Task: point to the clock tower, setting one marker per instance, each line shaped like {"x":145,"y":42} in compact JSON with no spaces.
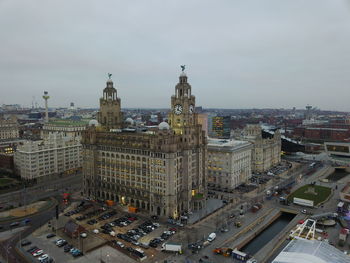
{"x":110,"y":115}
{"x":182,"y":113}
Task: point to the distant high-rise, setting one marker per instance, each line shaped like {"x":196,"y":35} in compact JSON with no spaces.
{"x":203,"y":120}
{"x":308,"y":113}
{"x":221,"y":127}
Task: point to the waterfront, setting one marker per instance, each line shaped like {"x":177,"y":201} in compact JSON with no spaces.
{"x":268,"y":234}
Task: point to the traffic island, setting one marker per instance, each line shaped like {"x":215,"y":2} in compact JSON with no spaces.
{"x":316,"y":193}
{"x":27,"y":210}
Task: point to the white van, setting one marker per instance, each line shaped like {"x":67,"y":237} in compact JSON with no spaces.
{"x":211,"y":237}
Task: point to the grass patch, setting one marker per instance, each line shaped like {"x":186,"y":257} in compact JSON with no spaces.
{"x":5,"y":181}
{"x":316,"y":193}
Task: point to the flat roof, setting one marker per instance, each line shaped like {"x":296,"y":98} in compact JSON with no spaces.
{"x":68,"y":122}
{"x":310,"y":251}
{"x":227,"y":143}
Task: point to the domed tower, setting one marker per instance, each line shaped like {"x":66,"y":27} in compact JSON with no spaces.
{"x":110,"y":115}
{"x":182,"y":106}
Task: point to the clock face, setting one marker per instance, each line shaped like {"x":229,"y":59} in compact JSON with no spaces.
{"x":191,"y":109}
{"x":177,"y":109}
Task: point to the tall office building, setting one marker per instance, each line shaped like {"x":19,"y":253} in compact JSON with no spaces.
{"x":221,"y":127}
{"x":203,"y":120}
{"x":41,"y":160}
{"x":161,"y":171}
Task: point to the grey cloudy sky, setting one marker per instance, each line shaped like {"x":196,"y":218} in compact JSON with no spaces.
{"x":239,"y":54}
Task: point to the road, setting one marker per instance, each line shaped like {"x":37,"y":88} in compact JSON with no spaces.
{"x":212,"y":225}
{"x":42,"y":190}
{"x":7,"y":247}
{"x":54,"y":188}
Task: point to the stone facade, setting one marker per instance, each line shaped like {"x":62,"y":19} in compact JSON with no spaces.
{"x":229,"y":163}
{"x":161,"y":171}
{"x":110,"y":115}
{"x":9,"y":129}
{"x":266,"y":152}
{"x":66,"y":128}
{"x":56,"y":155}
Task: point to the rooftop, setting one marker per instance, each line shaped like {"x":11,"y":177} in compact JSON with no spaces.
{"x":68,"y":122}
{"x":346,"y":189}
{"x":310,"y":251}
{"x":227,"y":143}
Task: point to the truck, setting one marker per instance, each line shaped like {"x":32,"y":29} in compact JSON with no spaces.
{"x":211,"y":237}
{"x":223,"y":251}
{"x":172,"y":247}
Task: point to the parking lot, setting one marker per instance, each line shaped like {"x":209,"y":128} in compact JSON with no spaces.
{"x":47,"y":246}
{"x":136,"y":236}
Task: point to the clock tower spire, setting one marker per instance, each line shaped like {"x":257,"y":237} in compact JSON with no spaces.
{"x":182,"y":105}
{"x":110,"y":115}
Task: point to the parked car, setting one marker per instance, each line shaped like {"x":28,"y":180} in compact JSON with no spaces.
{"x":43,"y":257}
{"x":50,"y":235}
{"x":37,"y":252}
{"x":25,"y":242}
{"x":32,"y":249}
{"x":67,"y":248}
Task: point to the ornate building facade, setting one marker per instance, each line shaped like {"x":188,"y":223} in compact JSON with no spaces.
{"x":9,"y":129}
{"x":161,"y":171}
{"x":65,"y":127}
{"x":229,"y":163}
{"x":266,"y":151}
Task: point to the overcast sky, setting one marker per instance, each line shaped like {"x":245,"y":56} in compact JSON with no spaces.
{"x":238,"y":54}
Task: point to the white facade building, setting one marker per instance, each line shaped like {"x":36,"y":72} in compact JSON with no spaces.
{"x":229,"y":163}
{"x":53,"y":156}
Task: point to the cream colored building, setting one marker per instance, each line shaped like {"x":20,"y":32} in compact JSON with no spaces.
{"x":67,"y":128}
{"x":266,"y":151}
{"x":229,"y":163}
{"x":56,"y":155}
{"x":203,"y":120}
{"x":160,"y":171}
{"x":9,"y":129}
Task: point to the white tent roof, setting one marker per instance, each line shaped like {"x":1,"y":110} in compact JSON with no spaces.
{"x":310,"y":251}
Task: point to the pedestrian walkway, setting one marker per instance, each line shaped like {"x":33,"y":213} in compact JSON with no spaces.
{"x":211,"y":206}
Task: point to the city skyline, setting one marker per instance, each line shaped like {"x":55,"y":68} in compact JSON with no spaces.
{"x":246,"y":55}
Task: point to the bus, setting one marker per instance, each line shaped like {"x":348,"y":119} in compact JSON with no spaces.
{"x":243,"y":257}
